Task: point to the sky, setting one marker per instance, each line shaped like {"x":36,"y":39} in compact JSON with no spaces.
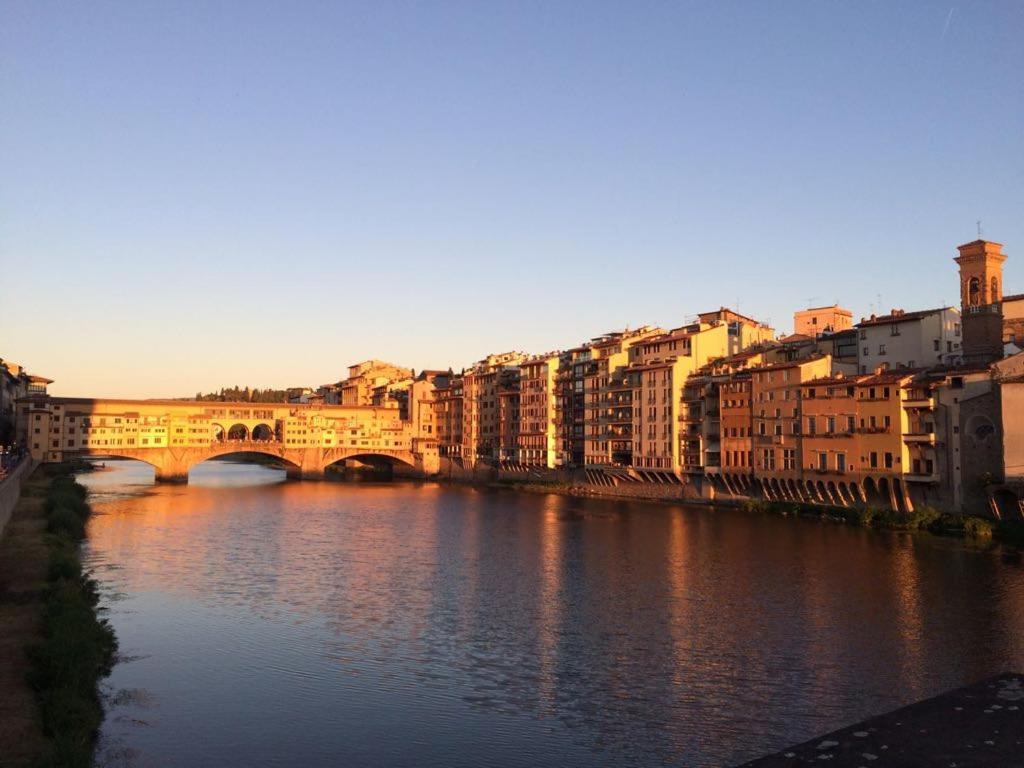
{"x":205,"y":194}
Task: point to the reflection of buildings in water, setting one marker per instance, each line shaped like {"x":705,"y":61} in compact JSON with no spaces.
{"x":608,"y":618}
{"x":904,"y":580}
{"x":550,"y":602}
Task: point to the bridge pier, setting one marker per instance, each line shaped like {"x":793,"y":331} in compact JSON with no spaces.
{"x":172,"y":476}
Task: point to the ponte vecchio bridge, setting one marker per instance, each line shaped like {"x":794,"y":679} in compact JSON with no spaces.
{"x":175,"y":435}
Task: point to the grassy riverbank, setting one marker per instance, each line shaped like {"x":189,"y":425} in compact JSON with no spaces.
{"x":66,"y":649}
{"x":77,"y":647}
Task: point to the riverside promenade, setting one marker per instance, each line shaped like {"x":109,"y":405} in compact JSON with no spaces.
{"x":10,"y":488}
{"x":978,"y":725}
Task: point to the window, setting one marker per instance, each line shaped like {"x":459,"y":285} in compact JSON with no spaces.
{"x":881,"y":349}
{"x":936,"y":344}
{"x":840,"y":462}
{"x":873,"y":460}
{"x":888,"y":461}
{"x":823,"y":461}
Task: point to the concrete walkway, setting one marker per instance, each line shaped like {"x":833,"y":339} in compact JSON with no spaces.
{"x":980,"y":725}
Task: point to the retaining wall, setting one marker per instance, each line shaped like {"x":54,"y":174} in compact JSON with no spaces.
{"x":10,"y":490}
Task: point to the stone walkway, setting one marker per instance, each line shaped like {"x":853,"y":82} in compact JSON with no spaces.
{"x":980,"y":725}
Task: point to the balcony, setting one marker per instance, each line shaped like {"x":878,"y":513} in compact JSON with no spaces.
{"x":926,"y":438}
{"x":921,"y":477}
{"x":915,"y":401}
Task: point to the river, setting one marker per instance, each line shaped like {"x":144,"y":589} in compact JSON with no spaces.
{"x":273,"y":623}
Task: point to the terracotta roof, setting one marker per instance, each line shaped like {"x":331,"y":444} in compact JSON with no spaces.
{"x":826,"y":380}
{"x":889,"y":377}
{"x":1013,"y":297}
{"x":905,"y":317}
{"x":788,"y":364}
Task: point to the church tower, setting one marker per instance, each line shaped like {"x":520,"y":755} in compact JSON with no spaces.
{"x":981,"y":293}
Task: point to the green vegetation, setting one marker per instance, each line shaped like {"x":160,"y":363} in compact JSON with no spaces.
{"x":923,"y":518}
{"x":244,"y":395}
{"x":77,"y":648}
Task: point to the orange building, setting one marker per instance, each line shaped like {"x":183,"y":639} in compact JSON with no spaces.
{"x":776,"y":405}
{"x":815,"y":321}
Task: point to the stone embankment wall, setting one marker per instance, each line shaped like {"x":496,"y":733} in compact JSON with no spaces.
{"x":577,"y":482}
{"x":10,"y":490}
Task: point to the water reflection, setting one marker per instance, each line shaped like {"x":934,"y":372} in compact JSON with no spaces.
{"x":402,"y":624}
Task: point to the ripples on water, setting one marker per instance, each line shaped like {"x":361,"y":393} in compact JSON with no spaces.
{"x":269,"y":623}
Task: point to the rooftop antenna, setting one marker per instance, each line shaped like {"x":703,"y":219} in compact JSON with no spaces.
{"x":810,"y":301}
{"x":979,"y":229}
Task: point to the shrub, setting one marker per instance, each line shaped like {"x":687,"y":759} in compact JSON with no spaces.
{"x":923,"y":518}
{"x":978,"y":527}
{"x":66,"y":522}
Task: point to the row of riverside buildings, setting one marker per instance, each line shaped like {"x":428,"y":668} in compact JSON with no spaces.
{"x":897,"y":411}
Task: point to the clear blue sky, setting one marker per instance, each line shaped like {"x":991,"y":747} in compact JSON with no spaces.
{"x":203,"y":194}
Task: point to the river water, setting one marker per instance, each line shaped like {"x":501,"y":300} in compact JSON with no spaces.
{"x":272,"y":623}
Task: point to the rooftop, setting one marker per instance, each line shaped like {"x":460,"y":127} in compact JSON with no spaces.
{"x":899,"y":316}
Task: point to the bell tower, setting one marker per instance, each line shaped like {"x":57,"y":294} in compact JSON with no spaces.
{"x":981,"y":293}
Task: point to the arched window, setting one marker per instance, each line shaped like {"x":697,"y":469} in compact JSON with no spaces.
{"x":974,"y":292}
{"x":995,"y":290}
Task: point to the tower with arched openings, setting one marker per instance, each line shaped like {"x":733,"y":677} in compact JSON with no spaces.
{"x":981,"y":294}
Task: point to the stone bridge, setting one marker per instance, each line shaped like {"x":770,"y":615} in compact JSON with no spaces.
{"x":310,"y":463}
{"x":174,"y":435}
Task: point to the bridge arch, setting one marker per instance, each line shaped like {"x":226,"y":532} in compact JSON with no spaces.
{"x":238,"y":432}
{"x":124,"y":456}
{"x":263,"y":433}
{"x":219,"y":433}
{"x":371,"y":457}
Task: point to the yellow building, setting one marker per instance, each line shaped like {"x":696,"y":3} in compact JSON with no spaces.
{"x":364,"y":380}
{"x":659,"y":368}
{"x":538,"y":397}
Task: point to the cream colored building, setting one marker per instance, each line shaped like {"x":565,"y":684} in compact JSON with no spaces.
{"x":481,"y":417}
{"x":909,"y":339}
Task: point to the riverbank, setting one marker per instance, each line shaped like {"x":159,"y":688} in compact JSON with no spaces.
{"x":54,"y":649}
{"x":924,"y":519}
